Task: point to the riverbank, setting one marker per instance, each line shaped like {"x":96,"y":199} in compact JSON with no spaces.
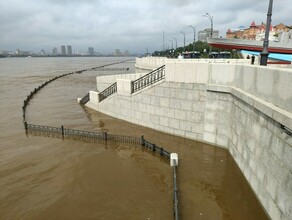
{"x":229,"y":103}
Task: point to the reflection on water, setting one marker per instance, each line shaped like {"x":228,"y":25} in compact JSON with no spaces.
{"x":51,"y":178}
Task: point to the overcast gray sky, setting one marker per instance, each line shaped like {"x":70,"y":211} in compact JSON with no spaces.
{"x":132,"y":25}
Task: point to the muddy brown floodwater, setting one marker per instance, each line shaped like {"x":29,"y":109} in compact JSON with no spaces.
{"x":50,"y":178}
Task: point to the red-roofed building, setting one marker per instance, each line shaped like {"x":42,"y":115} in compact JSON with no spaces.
{"x":254,"y":32}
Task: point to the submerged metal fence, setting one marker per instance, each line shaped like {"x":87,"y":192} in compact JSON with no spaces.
{"x":68,"y":133}
{"x":113,"y":69}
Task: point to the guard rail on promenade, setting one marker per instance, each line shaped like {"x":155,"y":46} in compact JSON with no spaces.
{"x":148,"y":79}
{"x":85,"y":99}
{"x":107,"y":92}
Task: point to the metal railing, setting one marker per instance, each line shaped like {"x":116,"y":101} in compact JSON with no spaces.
{"x":148,"y":79}
{"x":155,"y":149}
{"x":107,"y":92}
{"x":85,"y":99}
{"x":68,"y":133}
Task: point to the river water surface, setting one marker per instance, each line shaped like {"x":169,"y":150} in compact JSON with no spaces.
{"x":51,"y":178}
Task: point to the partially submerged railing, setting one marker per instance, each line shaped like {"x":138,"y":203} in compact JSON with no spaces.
{"x":175,"y":195}
{"x":155,"y":148}
{"x":148,"y":79}
{"x":113,"y":69}
{"x":85,"y":99}
{"x":68,"y":133}
{"x":108,"y":92}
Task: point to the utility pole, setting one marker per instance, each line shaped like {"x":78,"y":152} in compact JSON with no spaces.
{"x":194,"y":28}
{"x":211,"y":20}
{"x":184,"y":40}
{"x":163,"y":45}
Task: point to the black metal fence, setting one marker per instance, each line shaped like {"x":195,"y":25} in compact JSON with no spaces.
{"x":113,"y":69}
{"x":107,"y":92}
{"x":148,"y":79}
{"x":67,"y":133}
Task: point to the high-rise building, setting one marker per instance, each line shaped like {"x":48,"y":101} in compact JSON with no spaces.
{"x":55,"y":51}
{"x":118,"y":53}
{"x":204,"y":34}
{"x":63,"y":50}
{"x":69,"y":50}
{"x":90,"y":51}
{"x":126,"y":53}
{"x":43,"y":52}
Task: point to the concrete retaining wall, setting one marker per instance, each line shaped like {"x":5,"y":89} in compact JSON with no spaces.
{"x":152,"y":63}
{"x":239,"y":107}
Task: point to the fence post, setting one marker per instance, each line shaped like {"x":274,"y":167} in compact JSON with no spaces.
{"x":25,"y":125}
{"x":153,"y":147}
{"x":142,"y":140}
{"x":161,"y":151}
{"x":62,"y":128}
{"x":105,"y":136}
{"x":132,"y":87}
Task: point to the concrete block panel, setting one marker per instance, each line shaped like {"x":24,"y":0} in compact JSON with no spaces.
{"x":124,"y":87}
{"x":202,"y":73}
{"x":222,"y":74}
{"x":209,"y":137}
{"x":174,"y":123}
{"x":93,"y":97}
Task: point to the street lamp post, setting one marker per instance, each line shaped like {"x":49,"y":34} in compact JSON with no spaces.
{"x":211,"y":20}
{"x":171,"y":44}
{"x":194,"y":28}
{"x":184,"y":40}
{"x":175,"y":42}
{"x":265,"y":53}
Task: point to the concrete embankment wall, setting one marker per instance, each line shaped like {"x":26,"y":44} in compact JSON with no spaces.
{"x":239,"y":107}
{"x":151,"y":63}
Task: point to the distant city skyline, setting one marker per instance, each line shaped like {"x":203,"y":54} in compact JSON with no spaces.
{"x":136,"y":26}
